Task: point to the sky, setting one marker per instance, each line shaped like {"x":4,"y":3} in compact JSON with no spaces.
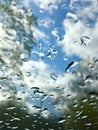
{"x":49,"y":32}
{"x":64,"y":28}
{"x":65,"y":35}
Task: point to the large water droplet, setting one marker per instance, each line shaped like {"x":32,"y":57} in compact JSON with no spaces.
{"x":71,"y":66}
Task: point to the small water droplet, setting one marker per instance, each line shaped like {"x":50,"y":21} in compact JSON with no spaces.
{"x":24,"y":57}
{"x":41,"y":54}
{"x":65,"y":58}
{"x":83,"y":117}
{"x":53,"y":76}
{"x":88,"y":124}
{"x":85,"y":40}
{"x":40,"y":46}
{"x":61,"y":120}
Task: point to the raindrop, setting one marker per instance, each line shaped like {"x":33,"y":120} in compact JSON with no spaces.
{"x":83,"y":117}
{"x":49,"y":55}
{"x":45,"y":113}
{"x":28,"y":74}
{"x":65,"y":58}
{"x":72,"y":17}
{"x":63,"y":6}
{"x":89,"y":77}
{"x":40,"y":46}
{"x":85,"y":100}
{"x":41,"y":11}
{"x":24,"y":57}
{"x":78,"y":113}
{"x":85,"y":40}
{"x":71,"y":65}
{"x":61,"y":120}
{"x":36,"y":88}
{"x":50,"y":4}
{"x":88,"y":124}
{"x":1,"y":122}
{"x":29,"y":12}
{"x":75,"y":42}
{"x":53,"y":76}
{"x":96,"y":61}
{"x":11,"y":108}
{"x":10,"y":98}
{"x":14,"y":128}
{"x":41,"y":54}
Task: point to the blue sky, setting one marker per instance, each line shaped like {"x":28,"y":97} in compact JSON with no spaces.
{"x":67,"y":31}
{"x":60,"y":24}
{"x":50,"y":22}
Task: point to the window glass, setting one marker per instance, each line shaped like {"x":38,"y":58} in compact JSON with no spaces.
{"x":48,"y":65}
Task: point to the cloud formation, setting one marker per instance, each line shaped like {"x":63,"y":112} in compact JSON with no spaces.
{"x":81,"y":29}
{"x":38,"y":34}
{"x":80,"y":23}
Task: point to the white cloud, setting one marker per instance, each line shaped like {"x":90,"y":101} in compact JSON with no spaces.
{"x":38,"y":34}
{"x":75,"y":31}
{"x":65,"y":86}
{"x":85,"y":11}
{"x":38,"y":74}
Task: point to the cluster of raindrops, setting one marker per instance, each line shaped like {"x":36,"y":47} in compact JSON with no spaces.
{"x":14,"y":113}
{"x":20,"y":105}
{"x":45,"y":50}
{"x":16,"y":35}
{"x":83,"y":113}
{"x":52,"y":53}
{"x":16,"y":41}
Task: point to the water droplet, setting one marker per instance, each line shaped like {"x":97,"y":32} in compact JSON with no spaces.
{"x":88,"y":124}
{"x":89,"y":77}
{"x":85,"y":40}
{"x":45,"y":113}
{"x":53,"y":76}
{"x":71,"y":65}
{"x":41,"y":54}
{"x":85,"y":100}
{"x":40,"y":46}
{"x":65,"y":58}
{"x":24,"y":57}
{"x":78,"y":113}
{"x":61,"y":120}
{"x":29,"y":12}
{"x":83,"y":117}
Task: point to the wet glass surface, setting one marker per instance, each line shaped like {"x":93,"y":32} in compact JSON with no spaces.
{"x":48,"y":65}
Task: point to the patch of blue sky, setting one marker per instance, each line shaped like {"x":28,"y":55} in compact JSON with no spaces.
{"x":49,"y":51}
{"x":50,"y":22}
{"x":55,"y":32}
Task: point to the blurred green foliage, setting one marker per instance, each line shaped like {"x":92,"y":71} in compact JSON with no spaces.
{"x":83,"y":114}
